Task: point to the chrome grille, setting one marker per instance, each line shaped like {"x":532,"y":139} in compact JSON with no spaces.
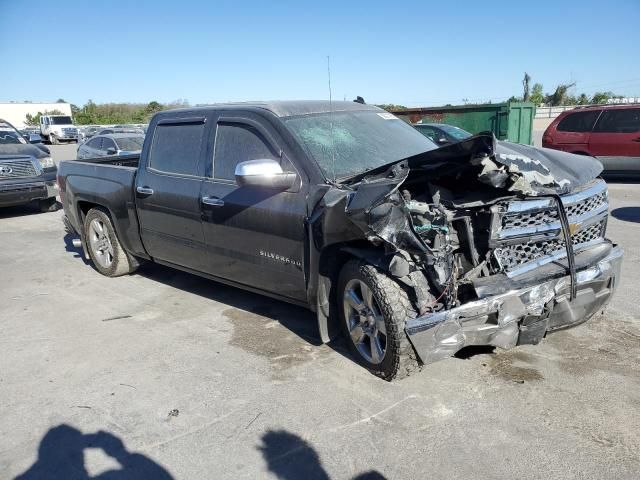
{"x":528,"y":232}
{"x":69,"y":132}
{"x":512,"y":256}
{"x":541,"y":217}
{"x":17,"y":169}
{"x":587,"y":205}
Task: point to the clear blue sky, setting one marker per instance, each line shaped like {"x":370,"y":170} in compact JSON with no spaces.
{"x":406,"y":52}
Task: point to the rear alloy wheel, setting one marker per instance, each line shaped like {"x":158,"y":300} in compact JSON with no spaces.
{"x":104,"y":248}
{"x":100,"y":244}
{"x":373,"y":309}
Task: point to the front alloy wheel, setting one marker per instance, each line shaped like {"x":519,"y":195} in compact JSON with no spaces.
{"x":373,"y":309}
{"x":365,"y":322}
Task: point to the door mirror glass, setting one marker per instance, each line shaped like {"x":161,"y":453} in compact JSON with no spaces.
{"x":111,"y":151}
{"x":264,"y":173}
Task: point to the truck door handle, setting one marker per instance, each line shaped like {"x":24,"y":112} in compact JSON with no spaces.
{"x":212,"y":201}
{"x":146,"y":191}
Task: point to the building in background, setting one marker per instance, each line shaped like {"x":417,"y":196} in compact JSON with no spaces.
{"x":16,"y":112}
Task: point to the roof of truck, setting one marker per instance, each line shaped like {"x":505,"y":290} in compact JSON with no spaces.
{"x":288,"y":108}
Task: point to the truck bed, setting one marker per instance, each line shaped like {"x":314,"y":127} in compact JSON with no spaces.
{"x":107,"y":182}
{"x":120,"y":161}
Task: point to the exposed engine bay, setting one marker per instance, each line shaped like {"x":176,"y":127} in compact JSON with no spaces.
{"x":483,"y":218}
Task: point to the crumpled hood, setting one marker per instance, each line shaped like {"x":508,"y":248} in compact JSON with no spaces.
{"x":511,"y":166}
{"x":22,"y":150}
{"x":377,"y":207}
{"x":543,"y":170}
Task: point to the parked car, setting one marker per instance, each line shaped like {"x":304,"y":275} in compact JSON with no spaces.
{"x":27,"y":173}
{"x":110,"y":130}
{"x":58,"y":128}
{"x":31,"y":132}
{"x":89,"y":131}
{"x":110,"y":144}
{"x":609,"y":133}
{"x":441,"y":133}
{"x":412,"y":251}
{"x":33,"y":137}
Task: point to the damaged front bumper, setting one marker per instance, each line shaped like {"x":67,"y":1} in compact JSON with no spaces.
{"x":517,"y":316}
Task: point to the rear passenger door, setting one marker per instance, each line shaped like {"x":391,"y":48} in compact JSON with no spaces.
{"x":616,"y":139}
{"x":573,"y":131}
{"x":254,"y":236}
{"x":168,"y":191}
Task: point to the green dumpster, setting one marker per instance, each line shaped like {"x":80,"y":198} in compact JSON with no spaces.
{"x":508,"y":121}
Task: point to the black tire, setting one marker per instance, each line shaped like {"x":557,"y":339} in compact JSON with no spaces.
{"x":112,"y":262}
{"x":48,"y":205}
{"x":392,"y":302}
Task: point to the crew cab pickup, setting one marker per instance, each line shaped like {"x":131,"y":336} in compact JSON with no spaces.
{"x":410,"y":250}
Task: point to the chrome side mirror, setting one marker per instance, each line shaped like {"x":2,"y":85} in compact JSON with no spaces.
{"x":264,"y":173}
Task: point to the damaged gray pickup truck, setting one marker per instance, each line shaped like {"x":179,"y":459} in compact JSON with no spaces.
{"x":410,"y":250}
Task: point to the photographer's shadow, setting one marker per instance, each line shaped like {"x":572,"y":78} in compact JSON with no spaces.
{"x":290,"y":457}
{"x":61,"y":456}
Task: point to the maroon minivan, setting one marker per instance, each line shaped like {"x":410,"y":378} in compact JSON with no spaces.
{"x":609,"y":133}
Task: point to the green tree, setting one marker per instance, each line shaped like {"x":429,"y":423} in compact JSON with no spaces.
{"x":537,"y":96}
{"x":525,"y":87}
{"x":559,"y":97}
{"x":391,"y":107}
{"x":153,"y":107}
{"x":583,"y":99}
{"x":602,"y":97}
{"x":34,"y":120}
{"x":114,"y":113}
